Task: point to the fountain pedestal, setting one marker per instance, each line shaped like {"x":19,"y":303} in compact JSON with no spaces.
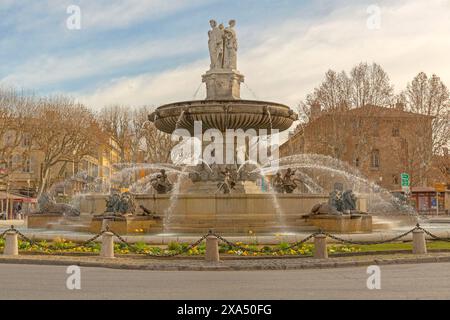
{"x":359,"y":223}
{"x":41,"y":221}
{"x":223,"y":84}
{"x":128,"y":225}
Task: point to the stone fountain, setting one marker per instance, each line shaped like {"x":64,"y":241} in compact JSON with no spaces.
{"x":223,"y":110}
{"x":220,"y":197}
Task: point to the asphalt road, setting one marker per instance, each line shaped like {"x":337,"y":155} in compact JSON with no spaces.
{"x":421,"y":281}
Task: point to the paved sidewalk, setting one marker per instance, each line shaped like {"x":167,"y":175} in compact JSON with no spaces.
{"x":177,"y":264}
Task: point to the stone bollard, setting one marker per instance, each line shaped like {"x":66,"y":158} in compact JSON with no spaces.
{"x":212,"y":249}
{"x":105,"y":224}
{"x":419,"y":242}
{"x":320,"y":247}
{"x":107,"y":250}
{"x":11,"y":244}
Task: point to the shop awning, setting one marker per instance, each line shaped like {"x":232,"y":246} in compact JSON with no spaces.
{"x":16,"y":197}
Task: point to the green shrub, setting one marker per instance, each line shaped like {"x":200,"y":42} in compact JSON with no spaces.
{"x":140,"y":246}
{"x":283,"y":246}
{"x":24,"y":245}
{"x":174,"y":246}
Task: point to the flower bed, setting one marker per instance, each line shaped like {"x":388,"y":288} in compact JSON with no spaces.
{"x":60,"y":245}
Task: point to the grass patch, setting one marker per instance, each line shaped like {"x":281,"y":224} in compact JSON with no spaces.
{"x":397,"y":246}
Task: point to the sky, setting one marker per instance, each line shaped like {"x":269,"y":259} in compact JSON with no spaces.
{"x":153,"y":52}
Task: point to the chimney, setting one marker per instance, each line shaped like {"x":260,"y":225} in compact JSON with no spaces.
{"x":316,"y":109}
{"x":400,"y":106}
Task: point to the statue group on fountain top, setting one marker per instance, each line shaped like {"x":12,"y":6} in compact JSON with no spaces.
{"x":287,"y":183}
{"x":223,"y":46}
{"x":161,"y":183}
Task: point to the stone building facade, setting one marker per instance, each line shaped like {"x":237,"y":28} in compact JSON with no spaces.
{"x":381,"y":142}
{"x":24,"y":169}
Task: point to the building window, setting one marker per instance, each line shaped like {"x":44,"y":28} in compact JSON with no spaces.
{"x":395,"y":180}
{"x":356,"y":125}
{"x":396,"y":129}
{"x":376,"y":159}
{"x":27,"y":165}
{"x":11,"y":163}
{"x":357,"y":162}
{"x":26,"y":141}
{"x":375,"y":128}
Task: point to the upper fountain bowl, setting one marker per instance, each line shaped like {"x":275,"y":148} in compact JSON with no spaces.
{"x":223,"y":115}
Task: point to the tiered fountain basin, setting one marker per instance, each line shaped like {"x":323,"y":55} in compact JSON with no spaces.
{"x":223,"y":115}
{"x":236,"y":214}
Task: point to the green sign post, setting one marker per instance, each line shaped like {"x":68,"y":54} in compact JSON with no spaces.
{"x":405,"y":182}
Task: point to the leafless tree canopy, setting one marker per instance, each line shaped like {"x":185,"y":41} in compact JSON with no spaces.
{"x":138,"y":139}
{"x":156,"y":144}
{"x":369,"y":85}
{"x":366,"y":84}
{"x":116,"y":121}
{"x":16,"y":109}
{"x":64,"y":131}
{"x":431,"y":97}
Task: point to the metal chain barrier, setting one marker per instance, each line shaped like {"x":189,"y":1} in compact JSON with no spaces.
{"x":433,"y":235}
{"x":156,"y":255}
{"x":236,"y":246}
{"x":231,"y":244}
{"x":2,"y":235}
{"x":345,"y":241}
{"x":39,"y":245}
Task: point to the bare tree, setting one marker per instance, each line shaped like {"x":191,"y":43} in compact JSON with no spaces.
{"x":366,"y":85}
{"x":116,"y":121}
{"x":155,"y":145}
{"x":370,"y":86}
{"x":16,"y":108}
{"x":333,"y":93}
{"x":430,"y":96}
{"x":64,"y":132}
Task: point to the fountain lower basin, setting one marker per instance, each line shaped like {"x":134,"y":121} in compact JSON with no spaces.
{"x":225,"y":214}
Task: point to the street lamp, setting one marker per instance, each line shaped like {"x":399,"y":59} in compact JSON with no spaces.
{"x":29,"y":195}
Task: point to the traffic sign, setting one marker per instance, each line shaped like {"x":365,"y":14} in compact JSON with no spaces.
{"x":405,"y":180}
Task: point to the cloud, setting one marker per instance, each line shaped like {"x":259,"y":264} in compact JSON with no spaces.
{"x":119,"y":13}
{"x":52,"y":69}
{"x":288,"y":60}
{"x":148,"y":89}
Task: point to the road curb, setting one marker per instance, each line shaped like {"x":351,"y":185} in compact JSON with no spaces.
{"x":222,"y":266}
